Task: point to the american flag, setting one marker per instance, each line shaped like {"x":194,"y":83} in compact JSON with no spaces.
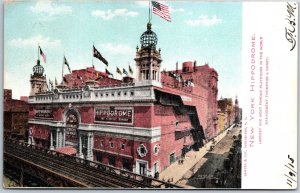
{"x":161,"y":10}
{"x":42,"y":54}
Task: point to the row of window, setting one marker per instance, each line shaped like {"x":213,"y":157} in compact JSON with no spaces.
{"x":112,"y":145}
{"x":77,"y":96}
{"x":113,"y":94}
{"x":42,"y":98}
{"x":112,"y":161}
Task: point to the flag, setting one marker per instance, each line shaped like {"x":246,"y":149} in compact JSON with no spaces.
{"x":99,"y":56}
{"x":130,"y":70}
{"x":125,"y":72}
{"x":119,"y":71}
{"x":107,"y":72}
{"x":56,"y":82}
{"x":161,"y":10}
{"x":67,"y":64}
{"x":42,"y":54}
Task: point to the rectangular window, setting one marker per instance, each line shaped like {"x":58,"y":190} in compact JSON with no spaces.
{"x":99,"y":156}
{"x":101,"y":143}
{"x":111,"y":144}
{"x":126,"y":164}
{"x":155,"y":168}
{"x":122,"y":146}
{"x":172,"y":158}
{"x":112,"y":160}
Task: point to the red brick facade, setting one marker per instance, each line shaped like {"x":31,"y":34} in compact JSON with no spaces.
{"x":143,"y":124}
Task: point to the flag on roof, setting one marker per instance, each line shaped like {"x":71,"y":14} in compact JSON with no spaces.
{"x":67,"y":64}
{"x":130,"y":70}
{"x":107,"y":72}
{"x":119,"y":71}
{"x":42,"y":54}
{"x":99,"y":56}
{"x":125,"y":72}
{"x":161,"y":10}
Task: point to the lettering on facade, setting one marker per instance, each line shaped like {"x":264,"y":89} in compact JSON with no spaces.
{"x":114,"y":114}
{"x":71,"y":129}
{"x":44,"y":112}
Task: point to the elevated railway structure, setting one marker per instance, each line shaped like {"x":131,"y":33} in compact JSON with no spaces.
{"x":55,"y":169}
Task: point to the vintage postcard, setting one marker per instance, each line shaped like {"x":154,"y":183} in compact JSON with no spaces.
{"x":150,"y":94}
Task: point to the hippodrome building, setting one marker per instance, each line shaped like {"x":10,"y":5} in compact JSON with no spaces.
{"x":140,"y":124}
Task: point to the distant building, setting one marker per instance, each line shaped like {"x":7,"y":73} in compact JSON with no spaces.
{"x":229,"y":113}
{"x":15,"y":117}
{"x":140,"y":124}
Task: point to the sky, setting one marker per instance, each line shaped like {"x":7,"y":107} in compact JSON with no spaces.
{"x":208,"y":32}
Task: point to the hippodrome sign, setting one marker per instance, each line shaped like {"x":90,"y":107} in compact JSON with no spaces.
{"x":119,"y":115}
{"x":43,"y":112}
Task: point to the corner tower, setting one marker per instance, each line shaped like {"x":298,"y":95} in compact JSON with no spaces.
{"x":147,"y":58}
{"x":38,"y":79}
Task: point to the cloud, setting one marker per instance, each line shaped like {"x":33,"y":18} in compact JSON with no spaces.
{"x":142,"y":3}
{"x":117,"y":49}
{"x":33,"y":41}
{"x":204,"y":20}
{"x":174,"y":10}
{"x":110,"y":14}
{"x":49,"y":8}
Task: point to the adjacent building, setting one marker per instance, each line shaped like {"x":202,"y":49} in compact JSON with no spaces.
{"x":15,"y":117}
{"x":228,"y":113}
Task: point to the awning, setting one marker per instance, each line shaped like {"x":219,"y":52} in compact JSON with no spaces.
{"x":69,"y":150}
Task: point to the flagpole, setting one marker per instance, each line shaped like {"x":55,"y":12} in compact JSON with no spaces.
{"x":38,"y":51}
{"x":62,"y":71}
{"x":149,"y":11}
{"x":93,"y":55}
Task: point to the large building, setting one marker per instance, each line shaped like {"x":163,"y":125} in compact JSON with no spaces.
{"x":140,"y":124}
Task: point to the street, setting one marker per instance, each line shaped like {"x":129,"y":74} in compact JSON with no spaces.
{"x":219,"y":168}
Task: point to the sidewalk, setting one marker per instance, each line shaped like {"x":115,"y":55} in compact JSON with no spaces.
{"x":177,"y":172}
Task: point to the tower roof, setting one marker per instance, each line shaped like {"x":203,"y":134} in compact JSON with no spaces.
{"x":148,"y":38}
{"x":38,"y":69}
